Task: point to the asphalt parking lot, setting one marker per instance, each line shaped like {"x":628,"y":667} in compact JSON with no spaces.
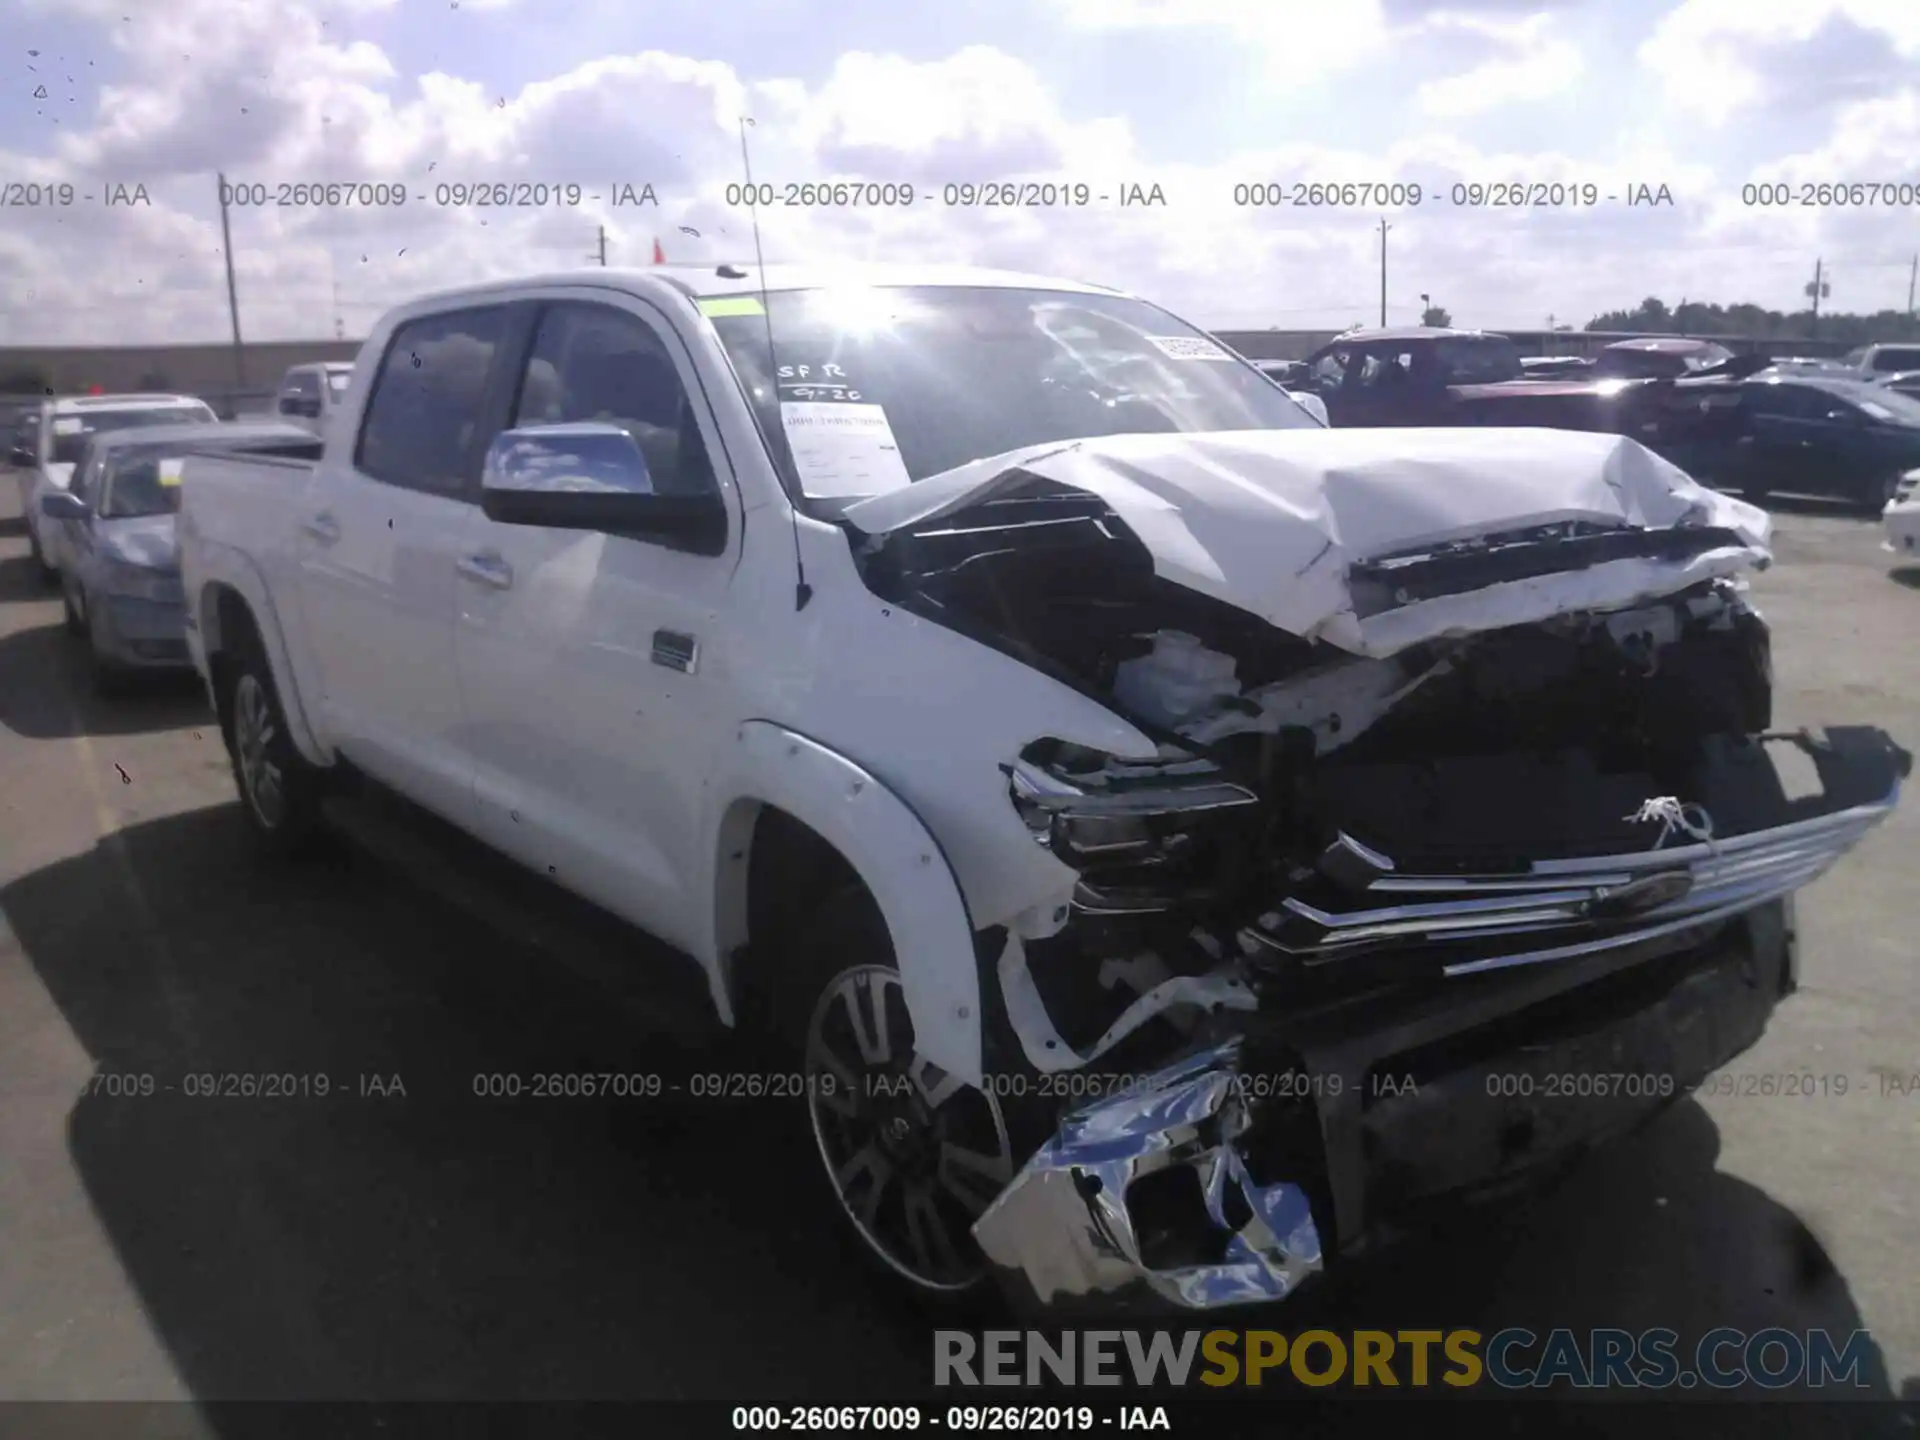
{"x":433,"y":1245}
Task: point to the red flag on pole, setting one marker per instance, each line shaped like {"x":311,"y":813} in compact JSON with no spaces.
{"x":659,"y":255}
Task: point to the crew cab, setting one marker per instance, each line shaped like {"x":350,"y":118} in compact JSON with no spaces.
{"x":46,"y":452}
{"x":1145,"y":817}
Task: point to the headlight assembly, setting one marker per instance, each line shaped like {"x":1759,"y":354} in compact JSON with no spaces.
{"x":1103,"y":815}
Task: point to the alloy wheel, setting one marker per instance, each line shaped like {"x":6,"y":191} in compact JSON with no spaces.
{"x":914,"y":1155}
{"x":253,"y":735}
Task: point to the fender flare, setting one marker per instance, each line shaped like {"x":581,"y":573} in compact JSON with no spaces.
{"x":895,"y":856}
{"x":238,"y":573}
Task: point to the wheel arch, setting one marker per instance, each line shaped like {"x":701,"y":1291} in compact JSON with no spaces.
{"x":228,"y":616}
{"x":795,"y":820}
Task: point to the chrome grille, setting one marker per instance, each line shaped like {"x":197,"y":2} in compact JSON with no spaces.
{"x":1556,"y":909}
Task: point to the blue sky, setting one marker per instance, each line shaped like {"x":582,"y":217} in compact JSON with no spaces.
{"x":1196,"y":95}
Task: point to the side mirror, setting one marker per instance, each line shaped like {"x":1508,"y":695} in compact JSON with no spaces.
{"x":591,"y":476}
{"x":1310,"y":403}
{"x":64,"y":505}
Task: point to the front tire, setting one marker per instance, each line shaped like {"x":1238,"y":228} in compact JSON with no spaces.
{"x":910,"y":1155}
{"x":280,"y":792}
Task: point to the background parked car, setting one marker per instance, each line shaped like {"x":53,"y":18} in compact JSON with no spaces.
{"x":1876,"y":360}
{"x":111,"y":537}
{"x":1659,"y":358}
{"x":45,"y":457}
{"x":311,"y":394}
{"x":1802,"y":433}
{"x":1906,"y":382}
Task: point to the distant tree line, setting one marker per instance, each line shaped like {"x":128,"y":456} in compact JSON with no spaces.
{"x":1692,"y":317}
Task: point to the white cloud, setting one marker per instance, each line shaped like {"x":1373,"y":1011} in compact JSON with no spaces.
{"x":296,"y":90}
{"x":1715,"y":58}
{"x":1306,"y":38}
{"x":1532,"y":64}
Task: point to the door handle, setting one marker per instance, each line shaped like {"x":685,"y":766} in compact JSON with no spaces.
{"x":323,"y":527}
{"x":486,"y":570}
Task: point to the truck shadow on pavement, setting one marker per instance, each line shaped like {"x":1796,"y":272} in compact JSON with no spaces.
{"x":431,"y":1244}
{"x":46,"y":694}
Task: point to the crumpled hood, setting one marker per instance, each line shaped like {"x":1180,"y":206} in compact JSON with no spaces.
{"x":1271,"y":521}
{"x":147,"y":540}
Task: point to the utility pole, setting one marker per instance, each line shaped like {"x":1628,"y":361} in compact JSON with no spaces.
{"x":603,"y":247}
{"x":1913,"y":273}
{"x":1384,"y":227}
{"x":233,"y":295}
{"x":1818,"y":288}
{"x":339,"y":319}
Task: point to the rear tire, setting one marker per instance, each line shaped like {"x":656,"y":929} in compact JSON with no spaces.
{"x":907,"y":1157}
{"x":280,"y":793}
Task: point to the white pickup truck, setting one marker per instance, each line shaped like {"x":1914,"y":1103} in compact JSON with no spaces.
{"x":1177,"y":844}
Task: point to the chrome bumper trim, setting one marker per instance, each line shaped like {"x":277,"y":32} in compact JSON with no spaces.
{"x":1566,"y":903}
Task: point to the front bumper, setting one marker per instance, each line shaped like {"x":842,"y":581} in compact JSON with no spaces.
{"x":1493,"y":1023}
{"x":140,"y":632}
{"x":1237,"y":1174}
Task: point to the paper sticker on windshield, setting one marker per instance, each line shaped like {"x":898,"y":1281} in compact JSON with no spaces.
{"x":1189,"y":347}
{"x":69,"y":425}
{"x":170,"y":471}
{"x":843,"y":450}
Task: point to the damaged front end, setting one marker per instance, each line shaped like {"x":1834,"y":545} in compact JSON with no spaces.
{"x":1506,"y":808}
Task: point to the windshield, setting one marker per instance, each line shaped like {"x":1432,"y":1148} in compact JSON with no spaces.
{"x":1478,"y":359}
{"x":880,"y":387}
{"x":70,"y":432}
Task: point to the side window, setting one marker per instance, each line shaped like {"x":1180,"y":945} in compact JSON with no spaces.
{"x":595,"y":363}
{"x":1795,"y":402}
{"x":1331,"y":368}
{"x":426,"y":403}
{"x":1386,"y":367}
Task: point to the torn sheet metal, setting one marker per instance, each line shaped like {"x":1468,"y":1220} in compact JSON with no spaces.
{"x":1271,"y":521}
{"x":1064,"y":1227}
{"x":1048,"y":1052}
